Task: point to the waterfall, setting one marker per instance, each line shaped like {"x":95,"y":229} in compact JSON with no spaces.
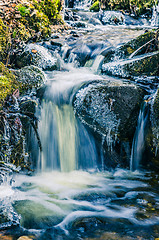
{"x":66,"y":143}
{"x":139,"y":139}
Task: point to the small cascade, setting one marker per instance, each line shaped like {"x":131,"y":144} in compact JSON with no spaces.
{"x":155,"y":16}
{"x":57,"y":130}
{"x":6,"y":139}
{"x":66,"y":143}
{"x":97,"y":63}
{"x":139,"y":139}
{"x":82,"y":4}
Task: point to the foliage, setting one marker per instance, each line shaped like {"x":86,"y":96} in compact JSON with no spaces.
{"x":136,"y":7}
{"x":50,"y":8}
{"x":95,"y":7}
{"x":23,"y":10}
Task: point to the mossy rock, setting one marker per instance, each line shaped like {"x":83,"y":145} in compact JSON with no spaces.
{"x":130,"y":47}
{"x":147,"y":64}
{"x":4,"y":40}
{"x":8,"y":83}
{"x":37,"y":55}
{"x":95,"y":7}
{"x":29,"y":77}
{"x":127,"y":49}
{"x":135,"y":7}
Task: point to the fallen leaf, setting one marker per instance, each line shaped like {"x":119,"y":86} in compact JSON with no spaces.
{"x":34,"y":51}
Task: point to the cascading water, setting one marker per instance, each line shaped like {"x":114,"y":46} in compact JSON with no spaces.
{"x":71,"y":195}
{"x":63,"y":137}
{"x":139,"y":139}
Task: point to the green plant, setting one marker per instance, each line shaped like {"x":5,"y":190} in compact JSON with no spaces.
{"x":23,"y":10}
{"x":95,"y":6}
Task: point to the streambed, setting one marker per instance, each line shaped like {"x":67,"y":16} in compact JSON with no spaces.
{"x":72,"y":193}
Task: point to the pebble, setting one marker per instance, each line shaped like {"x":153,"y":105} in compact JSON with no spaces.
{"x":24,"y":238}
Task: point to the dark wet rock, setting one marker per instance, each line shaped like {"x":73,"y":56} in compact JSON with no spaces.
{"x":27,"y":106}
{"x":147,"y":64}
{"x":71,"y":16}
{"x":78,"y":24}
{"x":127,"y":49}
{"x":152,"y":140}
{"x":111,"y":110}
{"x":75,"y":34}
{"x":136,"y":46}
{"x":34,"y":54}
{"x":29,"y":77}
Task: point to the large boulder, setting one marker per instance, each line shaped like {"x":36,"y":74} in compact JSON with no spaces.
{"x":146,"y":64}
{"x":143,"y":44}
{"x":111,"y":110}
{"x":29,"y":77}
{"x":34,"y":54}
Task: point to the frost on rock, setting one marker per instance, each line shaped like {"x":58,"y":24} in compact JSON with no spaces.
{"x":41,"y":57}
{"x":94,"y":106}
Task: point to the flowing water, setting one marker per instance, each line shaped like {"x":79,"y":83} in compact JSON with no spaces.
{"x":71,"y":195}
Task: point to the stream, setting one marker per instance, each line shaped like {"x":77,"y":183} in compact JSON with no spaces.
{"x":73,"y":194}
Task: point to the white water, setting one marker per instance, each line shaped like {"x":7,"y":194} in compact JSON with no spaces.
{"x":66,"y":144}
{"x":139,"y":140}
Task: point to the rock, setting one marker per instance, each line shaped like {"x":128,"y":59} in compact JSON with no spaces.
{"x":24,"y":238}
{"x":55,"y":43}
{"x":34,"y":54}
{"x":127,"y":49}
{"x":111,"y":110}
{"x":112,"y":17}
{"x":130,"y":47}
{"x":29,"y":77}
{"x":146,"y":64}
{"x":152,"y":140}
{"x":78,"y":24}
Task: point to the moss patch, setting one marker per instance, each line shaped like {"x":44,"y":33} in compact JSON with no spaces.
{"x":8,"y":83}
{"x":136,"y":7}
{"x":95,"y":6}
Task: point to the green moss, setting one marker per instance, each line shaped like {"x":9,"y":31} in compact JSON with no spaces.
{"x":7,"y":83}
{"x":23,"y":10}
{"x":4,"y":40}
{"x":95,"y":7}
{"x":137,"y":7}
{"x":134,"y":44}
{"x":148,"y":66}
